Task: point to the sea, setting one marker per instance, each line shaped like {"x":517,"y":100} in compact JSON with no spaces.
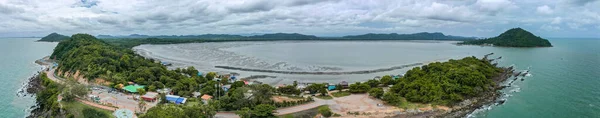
{"x":17,"y":57}
{"x":563,"y":81}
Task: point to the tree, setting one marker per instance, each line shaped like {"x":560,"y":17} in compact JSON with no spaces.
{"x":211,"y":75}
{"x":151,"y":88}
{"x":199,"y":111}
{"x":93,"y":113}
{"x":289,"y":89}
{"x":141,"y":91}
{"x":359,"y":88}
{"x":165,"y":111}
{"x":263,"y":110}
{"x":313,"y":88}
{"x":323,"y":91}
{"x":79,"y":90}
{"x":244,"y":112}
{"x":325,"y":111}
{"x":142,"y":105}
{"x":392,"y":98}
{"x":373,"y":83}
{"x":387,"y":80}
{"x":224,"y":81}
{"x":237,"y":84}
{"x":376,"y":92}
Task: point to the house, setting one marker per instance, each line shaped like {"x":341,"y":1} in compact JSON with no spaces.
{"x":166,"y":63}
{"x":176,"y":99}
{"x":205,"y":98}
{"x":226,"y":87}
{"x":344,"y":84}
{"x":300,"y":86}
{"x":196,"y":94}
{"x":164,"y":90}
{"x":150,"y":96}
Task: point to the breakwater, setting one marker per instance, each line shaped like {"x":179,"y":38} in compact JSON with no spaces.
{"x":320,"y":72}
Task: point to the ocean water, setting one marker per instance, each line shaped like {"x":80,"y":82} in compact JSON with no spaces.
{"x":564,"y":79}
{"x":17,"y":56}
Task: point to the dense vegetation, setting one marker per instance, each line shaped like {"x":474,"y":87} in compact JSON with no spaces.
{"x":96,"y":59}
{"x":54,"y":37}
{"x":443,"y":83}
{"x":416,"y":36}
{"x":515,"y":37}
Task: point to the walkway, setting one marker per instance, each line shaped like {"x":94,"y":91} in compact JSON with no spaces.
{"x":96,"y":105}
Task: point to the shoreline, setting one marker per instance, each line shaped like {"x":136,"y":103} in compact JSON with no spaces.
{"x":320,"y":72}
{"x":465,"y":108}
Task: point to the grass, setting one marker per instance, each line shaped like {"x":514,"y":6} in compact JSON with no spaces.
{"x":191,"y":103}
{"x":309,"y":113}
{"x":410,"y":105}
{"x":341,"y":94}
{"x":76,"y":108}
{"x":327,"y":97}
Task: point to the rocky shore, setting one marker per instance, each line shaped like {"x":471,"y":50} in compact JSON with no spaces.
{"x":31,"y":88}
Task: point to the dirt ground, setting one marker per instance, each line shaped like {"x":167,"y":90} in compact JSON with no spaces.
{"x":283,"y":98}
{"x":362,"y":104}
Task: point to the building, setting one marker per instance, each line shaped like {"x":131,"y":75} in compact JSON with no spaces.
{"x":226,"y":87}
{"x":132,"y":88}
{"x":344,"y":84}
{"x":196,"y":94}
{"x":300,"y":86}
{"x":331,"y":87}
{"x":176,"y":99}
{"x":150,"y":96}
{"x":205,"y":98}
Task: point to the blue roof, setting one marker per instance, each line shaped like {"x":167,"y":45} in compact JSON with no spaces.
{"x":172,"y":98}
{"x":179,"y":100}
{"x":199,"y":73}
{"x":331,"y":87}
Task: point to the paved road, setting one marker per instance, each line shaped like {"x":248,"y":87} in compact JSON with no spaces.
{"x":287,"y":110}
{"x":318,"y":102}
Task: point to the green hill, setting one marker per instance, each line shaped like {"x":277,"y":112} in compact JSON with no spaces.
{"x":515,"y":37}
{"x":54,"y":37}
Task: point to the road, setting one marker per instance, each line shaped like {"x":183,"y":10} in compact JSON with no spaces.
{"x":288,"y":110}
{"x":120,"y":100}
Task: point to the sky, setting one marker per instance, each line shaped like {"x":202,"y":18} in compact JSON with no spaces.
{"x":480,"y":18}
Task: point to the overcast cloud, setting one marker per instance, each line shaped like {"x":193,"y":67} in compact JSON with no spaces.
{"x":482,"y":18}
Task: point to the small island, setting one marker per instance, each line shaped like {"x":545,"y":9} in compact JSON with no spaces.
{"x":54,"y":37}
{"x":515,"y":37}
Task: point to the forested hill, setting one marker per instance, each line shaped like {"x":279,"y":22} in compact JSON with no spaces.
{"x":515,"y":37}
{"x":415,"y":36}
{"x":54,"y":37}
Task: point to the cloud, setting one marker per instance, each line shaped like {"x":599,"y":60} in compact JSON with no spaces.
{"x":550,"y":28}
{"x":316,"y":17}
{"x":545,"y":10}
{"x":581,"y":2}
{"x":8,"y":9}
{"x":556,"y":20}
{"x":494,"y":6}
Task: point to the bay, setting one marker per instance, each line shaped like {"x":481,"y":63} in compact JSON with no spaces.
{"x":564,"y":80}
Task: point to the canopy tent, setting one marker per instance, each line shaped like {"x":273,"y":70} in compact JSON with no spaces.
{"x":132,"y":88}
